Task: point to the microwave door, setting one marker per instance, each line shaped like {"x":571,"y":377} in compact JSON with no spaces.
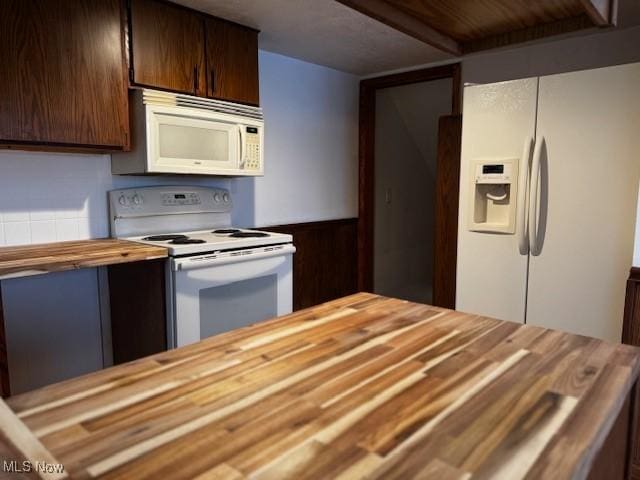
{"x":185,"y":144}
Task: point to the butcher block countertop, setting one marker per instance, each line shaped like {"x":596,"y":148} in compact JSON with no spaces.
{"x":363,"y":386}
{"x":56,"y":257}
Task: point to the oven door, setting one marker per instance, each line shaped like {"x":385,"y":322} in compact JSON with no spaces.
{"x":221,"y":292}
{"x":192,"y":142}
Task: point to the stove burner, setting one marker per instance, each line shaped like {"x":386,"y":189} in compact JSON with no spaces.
{"x":164,"y":238}
{"x":226,"y":230}
{"x":186,"y":241}
{"x":248,"y":234}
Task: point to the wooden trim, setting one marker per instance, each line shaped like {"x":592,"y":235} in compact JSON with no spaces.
{"x":446,"y":216}
{"x":631,"y":322}
{"x":5,"y":385}
{"x":366,"y":159}
{"x":632,"y":452}
{"x":535,"y":32}
{"x":601,"y":12}
{"x":405,"y":23}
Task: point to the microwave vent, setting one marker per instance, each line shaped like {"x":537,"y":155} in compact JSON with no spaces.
{"x":155,"y":97}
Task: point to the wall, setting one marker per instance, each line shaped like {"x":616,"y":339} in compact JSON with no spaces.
{"x":406,"y":151}
{"x":311,"y":143}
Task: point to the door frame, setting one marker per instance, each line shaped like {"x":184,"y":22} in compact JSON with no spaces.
{"x":366,"y":152}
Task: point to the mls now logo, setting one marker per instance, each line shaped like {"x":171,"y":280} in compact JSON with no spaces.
{"x":14,"y":466}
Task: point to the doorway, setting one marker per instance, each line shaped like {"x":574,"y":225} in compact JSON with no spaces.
{"x":409,"y":172}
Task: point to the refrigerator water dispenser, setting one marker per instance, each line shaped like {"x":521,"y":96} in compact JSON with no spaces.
{"x":493,"y":206}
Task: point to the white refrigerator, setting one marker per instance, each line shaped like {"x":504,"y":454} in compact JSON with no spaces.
{"x":550,"y":169}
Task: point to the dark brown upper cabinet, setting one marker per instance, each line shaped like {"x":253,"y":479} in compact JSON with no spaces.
{"x":232,"y":60}
{"x":167,"y":47}
{"x":63,"y":81}
{"x":182,"y":50}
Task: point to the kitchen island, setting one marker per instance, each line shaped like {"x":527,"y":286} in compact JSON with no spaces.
{"x":363,"y":386}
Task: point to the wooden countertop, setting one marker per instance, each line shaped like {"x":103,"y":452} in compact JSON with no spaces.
{"x":56,"y":257}
{"x":361,"y":386}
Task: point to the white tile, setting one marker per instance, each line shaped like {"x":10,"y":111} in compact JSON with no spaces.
{"x":43,"y":231}
{"x":17,"y":233}
{"x":67,"y":229}
{"x":2,"y":242}
{"x":84,"y":229}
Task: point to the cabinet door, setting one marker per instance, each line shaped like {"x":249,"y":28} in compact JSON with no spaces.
{"x":167,"y":47}
{"x":232,"y":62}
{"x":586,"y":200}
{"x":498,"y":121}
{"x":63,"y":76}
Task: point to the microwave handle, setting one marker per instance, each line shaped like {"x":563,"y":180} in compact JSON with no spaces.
{"x":241,"y":150}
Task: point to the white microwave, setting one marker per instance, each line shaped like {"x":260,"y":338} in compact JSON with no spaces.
{"x":181,"y":134}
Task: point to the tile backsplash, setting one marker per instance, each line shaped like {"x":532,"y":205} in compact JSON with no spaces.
{"x":49,"y":197}
{"x":52,"y":197}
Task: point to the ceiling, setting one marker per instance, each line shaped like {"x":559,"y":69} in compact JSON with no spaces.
{"x":324,"y":32}
{"x":328,"y":33}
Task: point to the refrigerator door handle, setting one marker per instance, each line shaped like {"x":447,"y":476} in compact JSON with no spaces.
{"x":534,"y":198}
{"x":523,"y":196}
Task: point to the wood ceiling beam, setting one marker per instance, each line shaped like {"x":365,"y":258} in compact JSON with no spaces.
{"x":395,"y":18}
{"x":603,"y":13}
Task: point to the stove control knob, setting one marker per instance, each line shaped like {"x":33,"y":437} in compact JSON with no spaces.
{"x":122,"y":200}
{"x":216,"y":197}
{"x":136,"y":199}
{"x":225,"y":198}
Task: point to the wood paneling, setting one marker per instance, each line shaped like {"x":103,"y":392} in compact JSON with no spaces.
{"x":325,"y":262}
{"x":232,"y":62}
{"x":446,"y":215}
{"x":366,"y":155}
{"x":459,"y":27}
{"x":631,"y":324}
{"x":5,"y":384}
{"x":362,"y":387}
{"x":467,"y":21}
{"x":138,"y":310}
{"x":42,"y":258}
{"x":529,"y":34}
{"x":63,"y":76}
{"x":631,"y":336}
{"x":167,"y":47}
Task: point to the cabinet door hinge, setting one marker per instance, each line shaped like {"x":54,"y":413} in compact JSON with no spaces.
{"x":131,"y":75}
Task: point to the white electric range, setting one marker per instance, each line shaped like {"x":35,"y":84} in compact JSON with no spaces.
{"x":218,"y":277}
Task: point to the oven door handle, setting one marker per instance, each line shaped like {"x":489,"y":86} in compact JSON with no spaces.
{"x":191,"y":263}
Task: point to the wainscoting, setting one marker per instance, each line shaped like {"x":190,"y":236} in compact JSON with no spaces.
{"x":631,"y":335}
{"x":325,"y":263}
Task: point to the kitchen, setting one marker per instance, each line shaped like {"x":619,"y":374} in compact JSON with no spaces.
{"x":100,"y":307}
